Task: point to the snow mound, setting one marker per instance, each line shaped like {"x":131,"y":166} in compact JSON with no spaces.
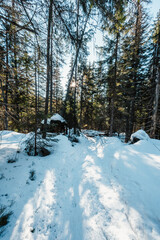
{"x":140,"y":135}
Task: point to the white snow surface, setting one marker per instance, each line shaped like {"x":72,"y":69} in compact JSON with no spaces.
{"x":141,"y":135}
{"x":55,"y":117}
{"x":98,"y":189}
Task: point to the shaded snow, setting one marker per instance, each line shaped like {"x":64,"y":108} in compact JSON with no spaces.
{"x":141,"y":135}
{"x":98,"y":189}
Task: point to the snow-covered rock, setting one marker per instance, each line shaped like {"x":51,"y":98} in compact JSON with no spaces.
{"x":139,"y":135}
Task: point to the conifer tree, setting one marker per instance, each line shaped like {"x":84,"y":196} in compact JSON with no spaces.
{"x":133,"y":67}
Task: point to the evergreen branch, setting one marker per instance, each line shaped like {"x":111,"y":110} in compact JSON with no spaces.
{"x":30,"y":19}
{"x":17,"y":24}
{"x":59,"y":13}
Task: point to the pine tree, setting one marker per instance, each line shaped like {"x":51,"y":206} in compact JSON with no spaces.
{"x":133,"y":68}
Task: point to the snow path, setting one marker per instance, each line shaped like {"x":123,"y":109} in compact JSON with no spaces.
{"x":104,"y":212}
{"x":98,"y":189}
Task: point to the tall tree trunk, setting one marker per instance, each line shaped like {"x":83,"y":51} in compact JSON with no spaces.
{"x":35,"y":139}
{"x":114,"y":88}
{"x":156,"y":74}
{"x":155,"y":105}
{"x":81,"y":103}
{"x":48,"y":67}
{"x":51,"y":69}
{"x":27,"y":92}
{"x":6,"y":85}
{"x":133,"y":102}
{"x":15,"y":65}
{"x":75,"y":90}
{"x":38,"y":86}
{"x":75,"y":61}
{"x":127,"y":136}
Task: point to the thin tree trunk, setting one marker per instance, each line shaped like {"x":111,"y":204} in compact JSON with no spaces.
{"x":35,"y":139}
{"x":127,"y":136}
{"x":75,"y":61}
{"x":51,"y":69}
{"x":75,"y":90}
{"x":81,"y":103}
{"x":15,"y":66}
{"x":155,"y":105}
{"x":48,"y":67}
{"x":6,"y":87}
{"x":27,"y":89}
{"x":133,"y":102}
{"x":38,"y":86}
{"x":157,"y":89}
{"x":114,"y":87}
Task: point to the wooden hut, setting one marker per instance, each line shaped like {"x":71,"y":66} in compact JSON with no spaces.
{"x":56,"y":124}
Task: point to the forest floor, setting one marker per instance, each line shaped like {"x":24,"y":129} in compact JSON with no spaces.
{"x":99,"y":188}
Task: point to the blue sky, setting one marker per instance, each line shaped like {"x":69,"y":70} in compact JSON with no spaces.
{"x":154,"y":7}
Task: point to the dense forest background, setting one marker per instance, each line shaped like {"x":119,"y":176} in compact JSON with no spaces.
{"x":118,"y":93}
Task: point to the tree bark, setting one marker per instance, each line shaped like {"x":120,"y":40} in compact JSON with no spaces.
{"x":114,"y":88}
{"x":75,"y":61}
{"x":48,"y":67}
{"x":51,"y":69}
{"x":75,"y":90}
{"x":6,"y":87}
{"x":156,"y":74}
{"x":35,"y":139}
{"x":155,"y":105}
{"x":81,"y":103}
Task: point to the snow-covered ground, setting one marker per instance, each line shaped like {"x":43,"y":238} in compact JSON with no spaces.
{"x":100,"y":188}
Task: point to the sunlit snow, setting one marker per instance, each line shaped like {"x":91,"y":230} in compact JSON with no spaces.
{"x":100,"y":188}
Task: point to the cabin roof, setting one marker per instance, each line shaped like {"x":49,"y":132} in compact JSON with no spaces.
{"x":55,"y":117}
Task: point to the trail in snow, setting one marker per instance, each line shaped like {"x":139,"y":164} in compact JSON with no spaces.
{"x":94,"y":190}
{"x":104,"y":212}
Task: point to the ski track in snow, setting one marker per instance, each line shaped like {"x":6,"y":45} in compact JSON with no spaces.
{"x":83,"y":193}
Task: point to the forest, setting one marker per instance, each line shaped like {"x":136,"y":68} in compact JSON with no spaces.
{"x":117,"y":93}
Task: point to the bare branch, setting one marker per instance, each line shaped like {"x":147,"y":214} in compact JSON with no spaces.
{"x":17,"y":24}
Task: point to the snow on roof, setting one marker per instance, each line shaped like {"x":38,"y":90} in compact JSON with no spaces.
{"x":141,"y":135}
{"x":55,"y":117}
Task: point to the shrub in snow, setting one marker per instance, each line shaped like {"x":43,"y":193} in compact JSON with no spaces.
{"x":2,"y":176}
{"x":12,"y":160}
{"x":41,"y":145}
{"x":32,"y":175}
{"x":4,"y":217}
{"x":139,"y":135}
